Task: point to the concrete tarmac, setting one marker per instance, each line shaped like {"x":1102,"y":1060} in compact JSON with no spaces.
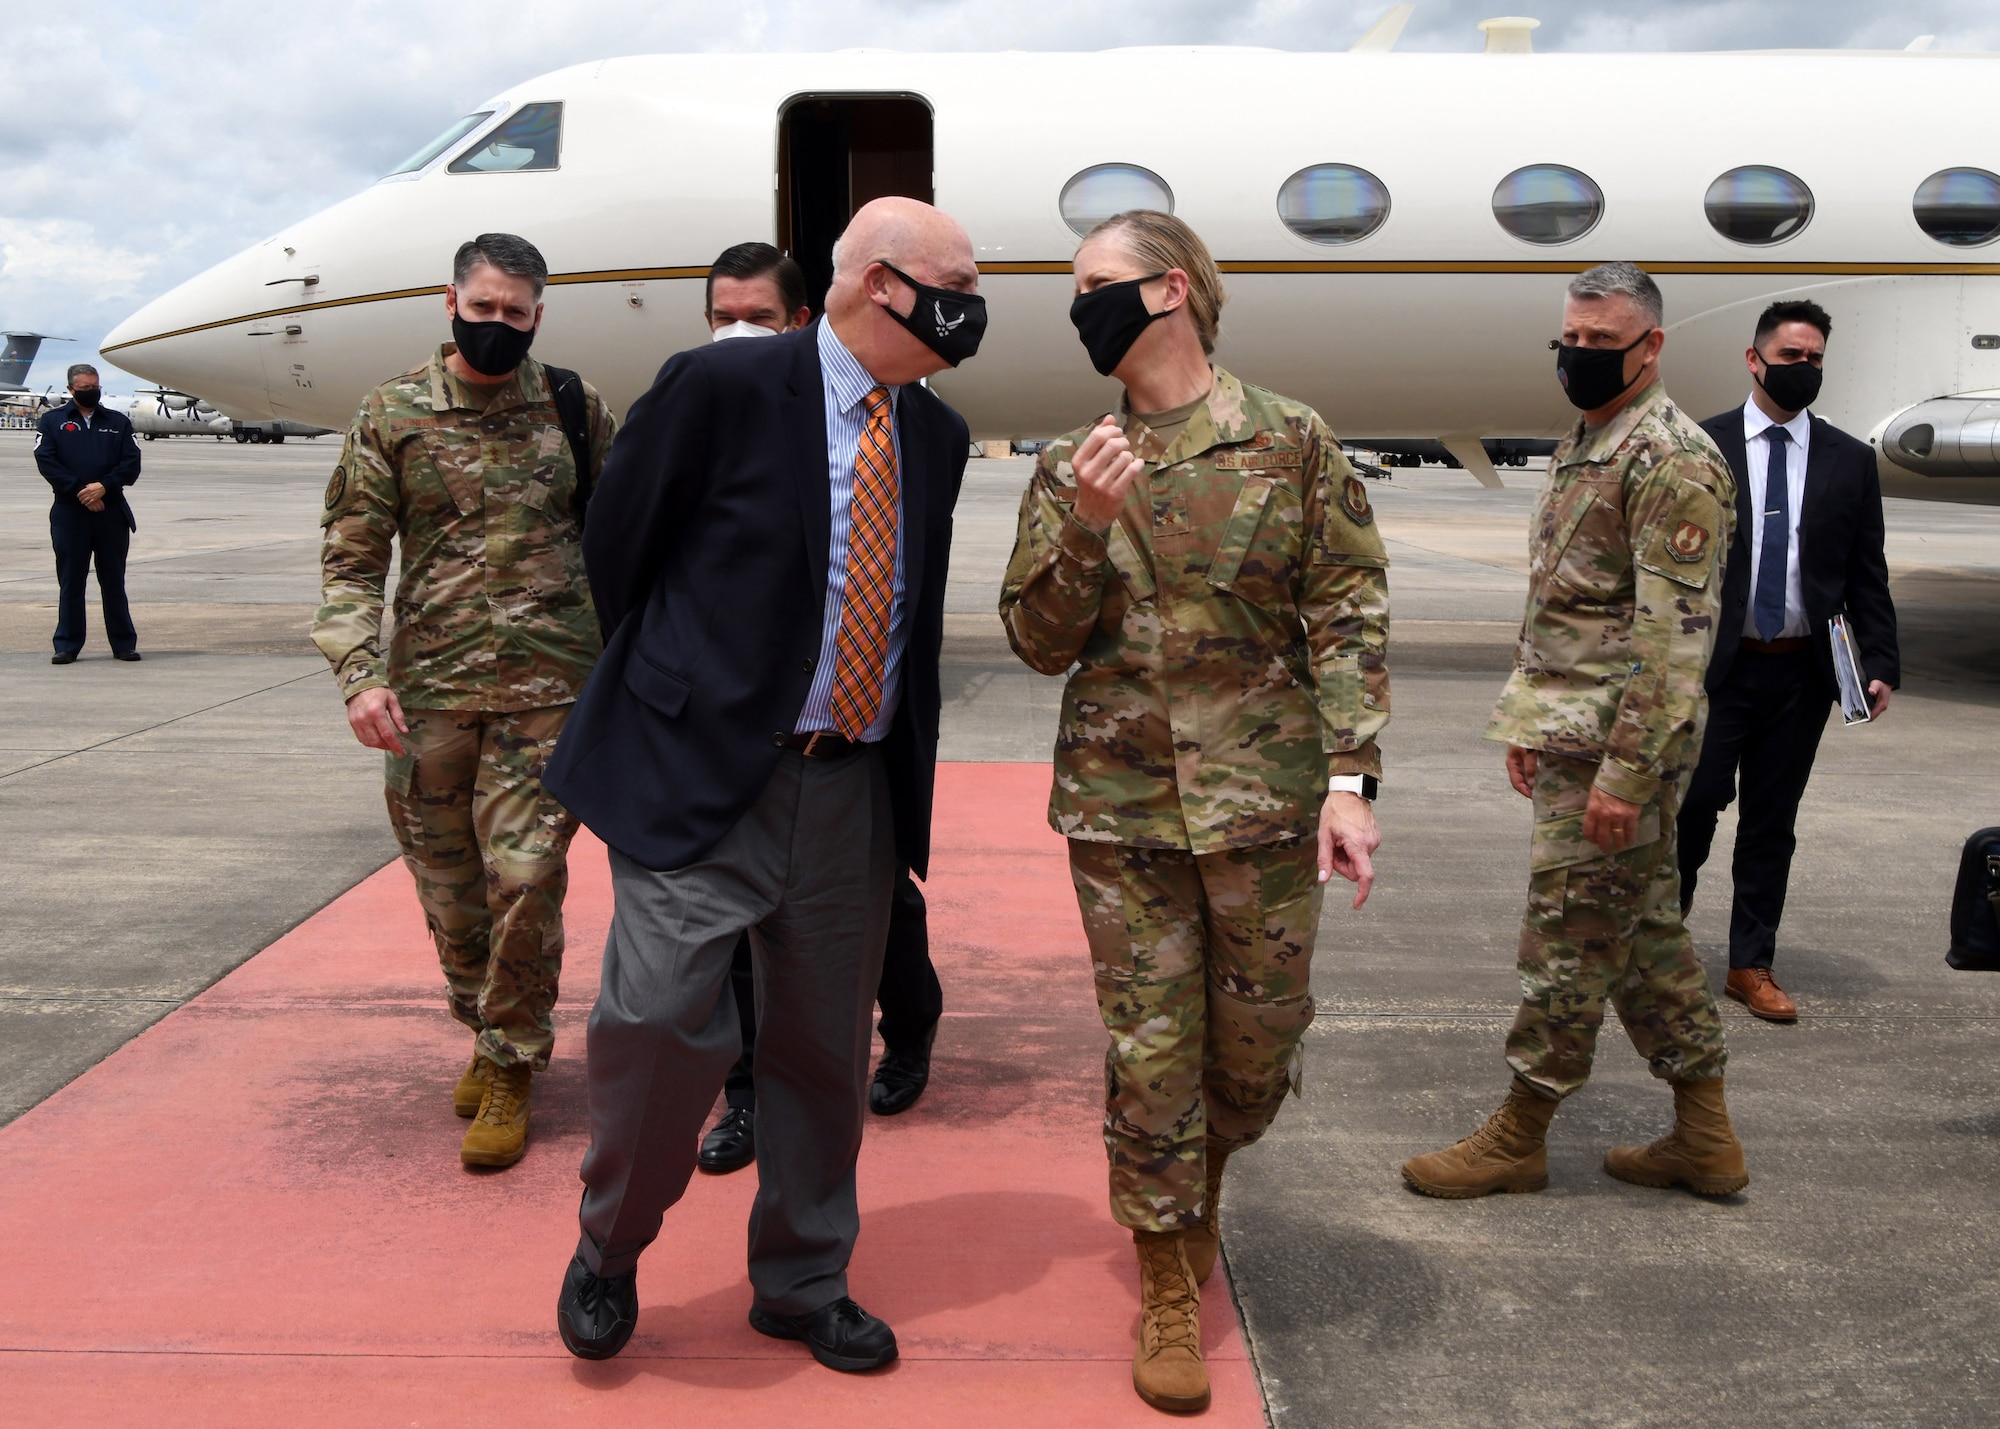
{"x":173,"y":817}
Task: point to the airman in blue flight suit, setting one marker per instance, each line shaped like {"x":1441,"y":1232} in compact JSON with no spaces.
{"x":89,"y":455}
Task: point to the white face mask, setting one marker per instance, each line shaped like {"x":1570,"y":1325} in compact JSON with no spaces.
{"x":741,"y":330}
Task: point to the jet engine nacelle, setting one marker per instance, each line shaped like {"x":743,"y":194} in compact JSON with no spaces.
{"x":1946,"y":436}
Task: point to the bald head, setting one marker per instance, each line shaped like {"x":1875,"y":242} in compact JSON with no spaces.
{"x":925,"y":242}
{"x":922,"y":241}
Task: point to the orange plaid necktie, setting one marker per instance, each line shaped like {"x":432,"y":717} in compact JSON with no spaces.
{"x":861,"y":646}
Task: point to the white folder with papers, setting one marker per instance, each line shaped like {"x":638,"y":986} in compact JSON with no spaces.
{"x":1847,"y":672}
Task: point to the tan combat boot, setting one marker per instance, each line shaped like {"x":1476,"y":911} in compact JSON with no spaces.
{"x":1700,"y":1153}
{"x":1506,"y":1154}
{"x":499,"y":1134}
{"x":1167,"y":1369}
{"x":1204,"y":1237}
{"x":471,"y":1088}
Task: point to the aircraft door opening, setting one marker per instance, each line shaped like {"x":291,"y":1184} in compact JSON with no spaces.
{"x":837,"y":153}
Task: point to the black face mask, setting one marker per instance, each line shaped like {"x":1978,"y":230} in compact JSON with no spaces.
{"x":1109,"y":320}
{"x":86,"y":397}
{"x":1794,"y":386}
{"x":949,"y":323}
{"x":1593,"y":376}
{"x":491,"y":349}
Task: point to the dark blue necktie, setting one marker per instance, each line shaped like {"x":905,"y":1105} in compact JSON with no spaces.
{"x":1775,"y":557}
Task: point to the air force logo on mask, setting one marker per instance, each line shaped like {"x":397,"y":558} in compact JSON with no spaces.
{"x":952,"y":338}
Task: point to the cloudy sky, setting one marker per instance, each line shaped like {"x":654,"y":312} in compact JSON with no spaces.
{"x":141,"y":142}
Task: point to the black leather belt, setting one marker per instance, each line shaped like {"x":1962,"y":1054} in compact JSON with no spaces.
{"x":1791,"y":644}
{"x":823,"y":744}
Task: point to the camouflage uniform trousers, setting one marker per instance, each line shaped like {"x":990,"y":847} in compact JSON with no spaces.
{"x":1607,"y":927}
{"x":1203,"y":964}
{"x":488,"y":847}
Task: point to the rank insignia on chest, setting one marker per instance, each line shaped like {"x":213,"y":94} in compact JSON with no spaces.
{"x":1354,"y":501}
{"x":336,"y":487}
{"x":1688,"y":543}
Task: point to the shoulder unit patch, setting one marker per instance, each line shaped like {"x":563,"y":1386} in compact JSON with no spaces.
{"x":1688,"y":543}
{"x":336,"y":487}
{"x":1354,"y":501}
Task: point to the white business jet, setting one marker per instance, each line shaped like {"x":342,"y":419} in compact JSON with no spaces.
{"x":1395,"y":229}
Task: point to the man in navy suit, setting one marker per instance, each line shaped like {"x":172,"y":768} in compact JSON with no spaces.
{"x":767,"y":549}
{"x":1808,"y":547}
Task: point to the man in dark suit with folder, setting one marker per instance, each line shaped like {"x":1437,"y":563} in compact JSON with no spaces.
{"x":1808,"y":548}
{"x":767,"y":549}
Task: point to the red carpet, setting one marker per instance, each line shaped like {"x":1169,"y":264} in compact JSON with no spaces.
{"x":254,"y":1212}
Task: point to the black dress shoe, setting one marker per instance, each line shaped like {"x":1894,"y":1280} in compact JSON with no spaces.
{"x":124,"y":654}
{"x":596,"y":1313}
{"x":732,"y":1145}
{"x":841,"y":1336}
{"x":63,"y":657}
{"x":900,"y":1078}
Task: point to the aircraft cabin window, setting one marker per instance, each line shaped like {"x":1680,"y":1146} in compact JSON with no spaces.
{"x":1333,"y":203}
{"x":1104,"y":189}
{"x":443,"y":141}
{"x":1758,"y":205}
{"x":1960,"y":207}
{"x":1547,"y":203}
{"x":531,"y":139}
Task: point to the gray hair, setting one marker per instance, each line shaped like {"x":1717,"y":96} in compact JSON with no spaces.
{"x":509,"y":252}
{"x":843,"y":252}
{"x":76,"y":370}
{"x":1626,"y":280}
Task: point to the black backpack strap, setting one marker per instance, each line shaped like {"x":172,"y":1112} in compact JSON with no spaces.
{"x":573,"y":411}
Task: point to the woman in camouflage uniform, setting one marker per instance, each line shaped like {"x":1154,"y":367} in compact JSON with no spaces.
{"x":1204,"y":566}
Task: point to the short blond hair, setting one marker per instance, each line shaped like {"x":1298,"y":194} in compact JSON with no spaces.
{"x":1158,"y":241}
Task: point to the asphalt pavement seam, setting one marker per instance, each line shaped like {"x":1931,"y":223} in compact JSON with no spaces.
{"x":181,"y":556}
{"x":162,"y":724}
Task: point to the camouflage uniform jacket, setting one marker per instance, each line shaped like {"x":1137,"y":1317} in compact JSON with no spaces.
{"x":1226,"y":640}
{"x":1624,"y":587}
{"x":492,"y":608}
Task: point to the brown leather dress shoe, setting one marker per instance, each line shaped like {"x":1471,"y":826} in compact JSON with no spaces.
{"x":1757,"y":990}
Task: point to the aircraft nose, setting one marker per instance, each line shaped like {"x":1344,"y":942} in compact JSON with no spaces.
{"x":193,"y":338}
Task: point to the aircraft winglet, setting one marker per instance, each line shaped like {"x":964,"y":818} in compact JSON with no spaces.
{"x":1510,"y":34}
{"x":1382,"y":36}
{"x":1472,"y":456}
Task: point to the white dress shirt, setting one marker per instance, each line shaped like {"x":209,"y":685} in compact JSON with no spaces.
{"x":1757,"y":457}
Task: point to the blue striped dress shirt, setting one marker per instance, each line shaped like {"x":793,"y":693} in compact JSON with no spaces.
{"x":846,"y":385}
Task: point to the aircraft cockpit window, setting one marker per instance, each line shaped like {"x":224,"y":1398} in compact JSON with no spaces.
{"x":1333,"y":203}
{"x":1758,"y":205}
{"x":1104,"y":189}
{"x":443,"y":141}
{"x":531,"y":139}
{"x":1960,"y":207}
{"x":1547,"y":203}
